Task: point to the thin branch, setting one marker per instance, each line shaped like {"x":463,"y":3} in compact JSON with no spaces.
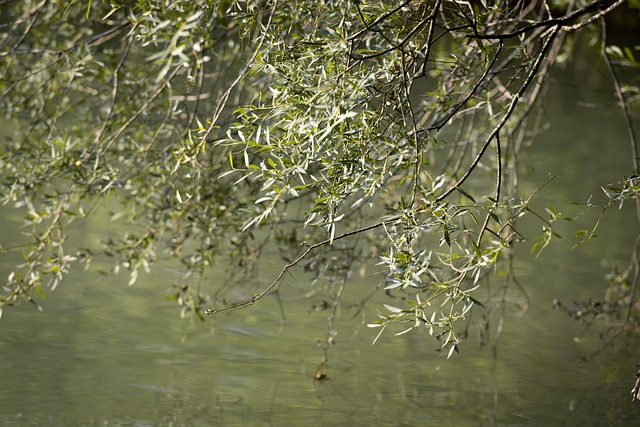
{"x":287,"y":267}
{"x":114,"y":91}
{"x":95,"y":40}
{"x":402,"y":42}
{"x":623,"y":105}
{"x":430,"y":40}
{"x":472,"y":92}
{"x":485,"y":225}
{"x":634,"y":264}
{"x":534,"y":69}
{"x":636,"y":166}
{"x":224,"y":98}
{"x":597,"y":16}
{"x":27,"y":30}
{"x":562,"y":22}
{"x":379,"y":20}
{"x":159,"y":89}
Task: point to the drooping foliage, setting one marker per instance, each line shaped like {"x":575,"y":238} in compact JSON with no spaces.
{"x":344,"y":134}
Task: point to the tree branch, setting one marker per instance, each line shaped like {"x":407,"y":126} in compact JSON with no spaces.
{"x":255,"y":298}
{"x":559,"y":22}
{"x":534,"y":69}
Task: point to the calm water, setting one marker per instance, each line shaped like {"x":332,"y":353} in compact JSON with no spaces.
{"x":102,"y":353}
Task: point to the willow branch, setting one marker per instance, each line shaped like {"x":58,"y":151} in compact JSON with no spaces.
{"x":107,"y":144}
{"x":485,"y":225}
{"x":472,"y":92}
{"x":255,"y":298}
{"x":562,"y":22}
{"x":404,"y":41}
{"x":514,"y":102}
{"x":379,"y":19}
{"x":225,"y":96}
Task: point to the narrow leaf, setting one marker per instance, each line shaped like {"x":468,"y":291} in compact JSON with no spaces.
{"x":467,"y":195}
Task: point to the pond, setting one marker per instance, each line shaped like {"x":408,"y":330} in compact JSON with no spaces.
{"x":103,"y":353}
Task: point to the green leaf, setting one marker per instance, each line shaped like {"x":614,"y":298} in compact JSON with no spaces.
{"x":476,"y":249}
{"x":629,"y":54}
{"x":475,"y":301}
{"x":467,"y":195}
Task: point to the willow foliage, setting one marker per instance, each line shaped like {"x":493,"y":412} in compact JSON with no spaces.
{"x":344,"y":134}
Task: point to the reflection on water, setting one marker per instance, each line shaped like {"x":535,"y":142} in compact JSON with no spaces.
{"x":102,"y":353}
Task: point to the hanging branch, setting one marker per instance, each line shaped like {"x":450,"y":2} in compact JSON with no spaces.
{"x":257,"y":297}
{"x":512,"y":106}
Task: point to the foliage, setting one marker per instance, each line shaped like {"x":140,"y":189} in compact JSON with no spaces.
{"x":337,"y":132}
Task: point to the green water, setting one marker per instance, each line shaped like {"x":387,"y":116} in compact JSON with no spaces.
{"x":102,"y":353}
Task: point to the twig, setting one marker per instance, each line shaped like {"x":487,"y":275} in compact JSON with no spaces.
{"x":514,"y":102}
{"x":401,"y":43}
{"x":485,"y":225}
{"x":379,"y":20}
{"x":472,"y":92}
{"x":562,"y":22}
{"x":598,"y":15}
{"x":225,"y":96}
{"x":255,"y":298}
{"x":623,"y":105}
{"x":634,"y":258}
